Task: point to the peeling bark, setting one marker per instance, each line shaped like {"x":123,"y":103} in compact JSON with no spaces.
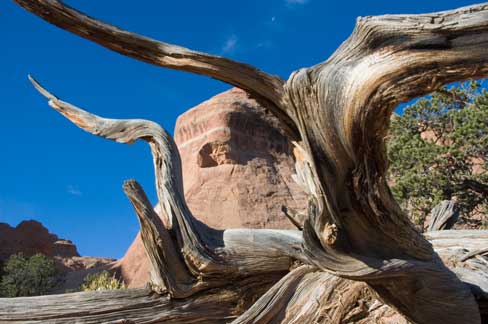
{"x":337,"y":112}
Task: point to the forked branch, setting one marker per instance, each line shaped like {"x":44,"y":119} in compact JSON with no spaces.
{"x":342,"y":108}
{"x":168,"y":270}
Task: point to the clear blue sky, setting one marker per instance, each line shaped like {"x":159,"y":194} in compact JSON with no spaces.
{"x":71,"y":181}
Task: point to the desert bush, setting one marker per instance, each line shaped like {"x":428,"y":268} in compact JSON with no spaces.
{"x":25,"y":276}
{"x":101,"y":281}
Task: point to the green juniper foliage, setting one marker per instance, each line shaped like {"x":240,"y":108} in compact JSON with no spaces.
{"x":438,"y":150}
{"x":32,"y":276}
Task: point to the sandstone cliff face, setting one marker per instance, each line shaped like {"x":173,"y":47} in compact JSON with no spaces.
{"x":237,"y":167}
{"x":237,"y":164}
{"x":133,"y":268}
{"x":31,"y":237}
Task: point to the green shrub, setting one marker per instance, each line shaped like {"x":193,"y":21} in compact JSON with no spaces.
{"x":32,"y":276}
{"x":101,"y":281}
{"x":438,"y":151}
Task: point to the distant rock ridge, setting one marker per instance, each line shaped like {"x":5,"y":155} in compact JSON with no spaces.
{"x":31,"y":237}
{"x":237,"y":166}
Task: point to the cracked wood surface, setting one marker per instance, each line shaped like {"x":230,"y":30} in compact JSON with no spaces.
{"x":305,"y":294}
{"x":337,"y":112}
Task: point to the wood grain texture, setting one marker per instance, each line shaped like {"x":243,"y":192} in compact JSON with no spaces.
{"x":337,"y":112}
{"x":135,"y":306}
{"x":342,"y":109}
{"x":305,"y":295}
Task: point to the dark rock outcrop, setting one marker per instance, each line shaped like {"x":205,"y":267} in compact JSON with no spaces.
{"x":31,"y":237}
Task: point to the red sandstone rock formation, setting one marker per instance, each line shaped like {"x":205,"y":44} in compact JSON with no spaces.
{"x":237,"y":164}
{"x":237,"y":167}
{"x":31,"y":237}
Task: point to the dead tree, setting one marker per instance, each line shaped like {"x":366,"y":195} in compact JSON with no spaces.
{"x":355,"y":238}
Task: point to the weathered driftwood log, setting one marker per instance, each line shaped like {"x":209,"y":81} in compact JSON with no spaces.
{"x":338,"y":113}
{"x":305,"y":295}
{"x":443,"y":216}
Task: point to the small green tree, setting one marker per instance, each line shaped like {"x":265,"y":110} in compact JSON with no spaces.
{"x":32,"y":276}
{"x":101,"y":281}
{"x":438,"y":150}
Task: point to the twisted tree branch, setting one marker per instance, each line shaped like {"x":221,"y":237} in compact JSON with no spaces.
{"x":342,"y":108}
{"x":213,"y":257}
{"x":162,"y":254}
{"x":266,"y":88}
{"x":340,"y":111}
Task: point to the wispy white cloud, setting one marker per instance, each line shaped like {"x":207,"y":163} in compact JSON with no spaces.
{"x":230,"y":44}
{"x":296,"y":2}
{"x":265,"y":44}
{"x":73,"y":190}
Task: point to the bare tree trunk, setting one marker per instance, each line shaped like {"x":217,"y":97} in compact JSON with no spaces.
{"x":337,"y":112}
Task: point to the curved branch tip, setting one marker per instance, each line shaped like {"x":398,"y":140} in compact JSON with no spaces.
{"x":41,"y":89}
